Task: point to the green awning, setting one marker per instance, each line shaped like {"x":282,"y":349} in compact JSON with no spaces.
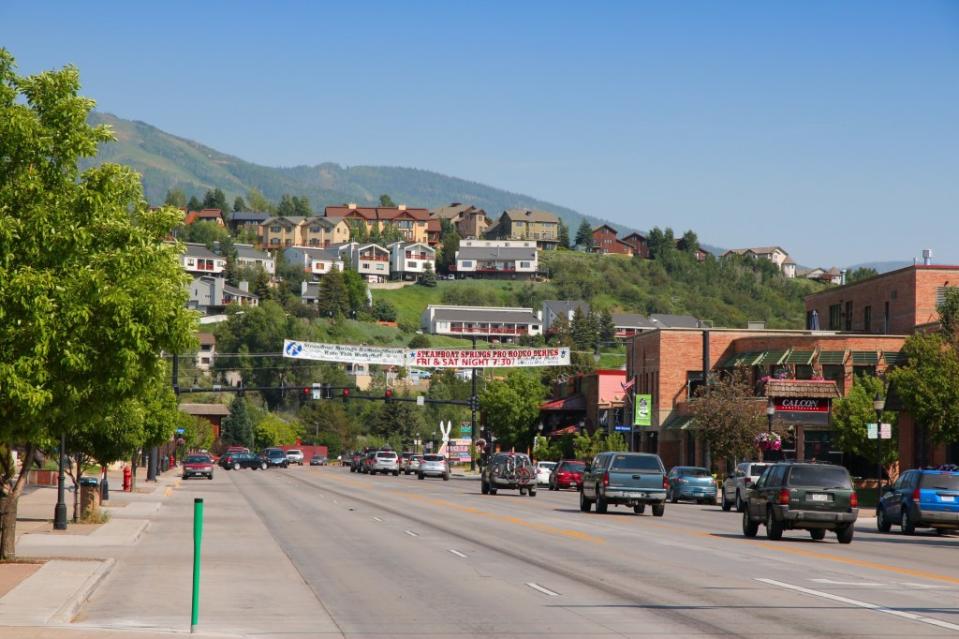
{"x":800,"y":357}
{"x":741,"y":359}
{"x":678,"y":422}
{"x":772,"y":358}
{"x":832,"y":357}
{"x":895,"y":358}
{"x":865,"y":358}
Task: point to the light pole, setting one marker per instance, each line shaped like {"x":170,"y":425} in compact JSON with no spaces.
{"x":770,"y":413}
{"x":879,"y":403}
{"x":60,"y":510}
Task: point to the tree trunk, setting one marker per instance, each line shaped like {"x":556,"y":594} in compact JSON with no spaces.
{"x":8,"y":508}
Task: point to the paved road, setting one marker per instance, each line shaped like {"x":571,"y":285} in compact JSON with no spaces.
{"x":392,"y":557}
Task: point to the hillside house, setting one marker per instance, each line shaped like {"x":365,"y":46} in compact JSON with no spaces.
{"x":324,"y":232}
{"x":205,"y":215}
{"x":410,"y":222}
{"x":197,"y":259}
{"x":774,"y":254}
{"x":524,"y":224}
{"x":409,"y":260}
{"x":606,"y":242}
{"x":279,"y":232}
{"x":315,"y":261}
{"x":211,"y":295}
{"x":247,"y":220}
{"x":207,"y":352}
{"x":639,"y":244}
{"x":557,"y":310}
{"x":468,"y":220}
{"x":372,"y":261}
{"x":497,"y":259}
{"x":248,"y":256}
{"x":491,"y":323}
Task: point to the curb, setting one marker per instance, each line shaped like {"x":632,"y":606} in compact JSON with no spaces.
{"x":71,"y":607}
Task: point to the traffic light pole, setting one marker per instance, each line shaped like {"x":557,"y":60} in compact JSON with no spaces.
{"x":473,"y":432}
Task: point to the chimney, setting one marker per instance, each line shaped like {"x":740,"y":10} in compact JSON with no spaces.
{"x":351,"y":206}
{"x":926,"y":257}
{"x":401,"y":207}
{"x":244,"y":286}
{"x":842,"y":277}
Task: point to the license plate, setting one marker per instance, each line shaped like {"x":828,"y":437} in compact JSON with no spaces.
{"x":818,"y":497}
{"x":947,"y":498}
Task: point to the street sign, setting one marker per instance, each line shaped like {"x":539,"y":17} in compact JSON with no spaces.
{"x":317,"y":391}
{"x":885,"y":431}
{"x":872,"y":430}
{"x":622,"y":428}
{"x":420,"y":400}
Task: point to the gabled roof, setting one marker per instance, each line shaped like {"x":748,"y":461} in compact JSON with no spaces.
{"x":377,"y":212}
{"x":214,"y":410}
{"x":632,"y":320}
{"x":405,"y":245}
{"x":248,"y":252}
{"x":194,"y":249}
{"x":330,"y":254}
{"x":289,"y":220}
{"x":238,"y":292}
{"x":758,"y":250}
{"x":322,"y":221}
{"x":527,"y":215}
{"x":206,"y":339}
{"x":605,"y":226}
{"x":635,"y":234}
{"x":664,"y":320}
{"x":454,"y":210}
{"x":487,"y":314}
{"x":248,"y":216}
{"x":496,"y":253}
{"x":562,"y":308}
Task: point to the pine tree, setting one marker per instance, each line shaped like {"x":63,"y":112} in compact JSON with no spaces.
{"x":607,"y":328}
{"x":583,"y":330}
{"x":215,"y":199}
{"x":194,"y":204}
{"x":175,"y":197}
{"x":584,"y":235}
{"x":238,"y":204}
{"x":428,"y":277}
{"x":237,"y":426}
{"x":563,"y":235}
{"x":334,"y":296}
{"x":386,"y":201}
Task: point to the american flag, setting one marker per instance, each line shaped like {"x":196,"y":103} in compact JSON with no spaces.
{"x":627,"y":385}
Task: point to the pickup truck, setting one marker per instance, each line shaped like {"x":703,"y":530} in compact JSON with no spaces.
{"x":624,"y":479}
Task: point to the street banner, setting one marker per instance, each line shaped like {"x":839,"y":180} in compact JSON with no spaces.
{"x":500,"y":358}
{"x":345,"y":353}
{"x":459,"y":450}
{"x":643,"y":415}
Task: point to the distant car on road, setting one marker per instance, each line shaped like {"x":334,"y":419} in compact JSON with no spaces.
{"x":509,"y":471}
{"x":544,"y":470}
{"x":797,"y":495}
{"x":356,"y":461}
{"x":238,"y":460}
{"x":295,"y":456}
{"x":691,"y":482}
{"x":567,"y":474}
{"x":275,"y":457}
{"x":434,"y":466}
{"x":198,"y":466}
{"x":385,"y":461}
{"x":920,"y":499}
{"x":318,"y":460}
{"x":737,"y":485}
{"x":624,"y":479}
{"x":410,"y":464}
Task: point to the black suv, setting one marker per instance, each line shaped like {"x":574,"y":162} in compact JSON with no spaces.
{"x":236,"y":461}
{"x":807,"y":496}
{"x":275,"y":457}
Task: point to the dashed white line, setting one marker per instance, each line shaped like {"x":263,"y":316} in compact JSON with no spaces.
{"x":411,"y":533}
{"x":863,"y":604}
{"x":377,"y":519}
{"x":846,"y":583}
{"x":457,"y":553}
{"x":545,"y":591}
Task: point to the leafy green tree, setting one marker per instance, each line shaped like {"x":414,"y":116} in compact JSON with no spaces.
{"x":238,"y":204}
{"x":358,"y":232}
{"x":428,"y":277}
{"x":286,"y":207}
{"x":194,"y":204}
{"x":563,"y":235}
{"x":850,"y":415}
{"x":327,"y":423}
{"x":386,"y":201}
{"x":861,"y":273}
{"x":584,"y":235}
{"x":927,"y":386}
{"x":175,"y":198}
{"x":511,"y":407}
{"x":949,"y":315}
{"x":272,"y":430}
{"x":112,"y":283}
{"x":586,"y":446}
{"x":450,"y":239}
{"x":690,"y":242}
{"x":334,"y":299}
{"x":616,"y":442}
{"x":257,"y":202}
{"x":207,"y":233}
{"x":383,"y":311}
{"x":419,"y":341}
{"x":237,"y":426}
{"x":728,"y":416}
{"x":357,"y":293}
{"x":197,"y":432}
{"x":261,"y":284}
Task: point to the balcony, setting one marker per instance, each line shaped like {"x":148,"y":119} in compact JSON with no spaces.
{"x":489,"y":330}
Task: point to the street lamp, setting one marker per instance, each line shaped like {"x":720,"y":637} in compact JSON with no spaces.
{"x":770,"y":413}
{"x":879,"y":403}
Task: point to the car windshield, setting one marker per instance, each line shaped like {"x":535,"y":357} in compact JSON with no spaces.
{"x":275,"y":453}
{"x":547,"y":464}
{"x":938,"y":481}
{"x":694,"y":472}
{"x":386,"y":455}
{"x":433,"y":458}
{"x":293,"y":451}
{"x":573,"y":467}
{"x":820,"y":476}
{"x":197,"y":459}
{"x":756,"y":470}
{"x":647,"y":463}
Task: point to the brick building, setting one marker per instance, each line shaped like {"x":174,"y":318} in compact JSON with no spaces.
{"x":605,"y":241}
{"x":892,"y":303}
{"x":587,"y":401}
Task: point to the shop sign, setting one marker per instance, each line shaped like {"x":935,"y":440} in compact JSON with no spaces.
{"x":643,"y":410}
{"x":802,"y":404}
{"x":499,"y":358}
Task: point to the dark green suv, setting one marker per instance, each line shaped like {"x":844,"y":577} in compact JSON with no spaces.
{"x":807,"y":496}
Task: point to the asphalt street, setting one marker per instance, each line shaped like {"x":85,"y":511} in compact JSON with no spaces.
{"x":393,"y":556}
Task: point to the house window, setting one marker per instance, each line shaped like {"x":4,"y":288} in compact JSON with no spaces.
{"x":867,"y":319}
{"x":274,"y":241}
{"x":524,"y":264}
{"x":848,"y":318}
{"x":467,"y":263}
{"x":835,"y":317}
{"x":314,"y":241}
{"x":289,"y":242}
{"x":275,"y":228}
{"x":379,"y":267}
{"x":885,"y":319}
{"x":411,"y":264}
{"x":314,"y":229}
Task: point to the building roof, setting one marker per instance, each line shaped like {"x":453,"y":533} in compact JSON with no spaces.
{"x":377,"y":212}
{"x":205,"y":410}
{"x":789,"y":260}
{"x":632,"y":320}
{"x":311,"y":290}
{"x":206,"y":339}
{"x":194,"y":249}
{"x":248,"y":252}
{"x":496,"y":253}
{"x":758,"y":250}
{"x":674,"y":321}
{"x":605,"y":226}
{"x":331,"y":253}
{"x":454,"y":210}
{"x":563,"y":307}
{"x":802,"y":388}
{"x":249,"y":216}
{"x":528,"y":215}
{"x":635,"y":234}
{"x":291,"y":220}
{"x":486,"y":314}
{"x":238,"y":292}
{"x":405,"y":245}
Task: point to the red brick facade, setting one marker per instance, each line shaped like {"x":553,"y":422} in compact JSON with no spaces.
{"x":892,"y":303}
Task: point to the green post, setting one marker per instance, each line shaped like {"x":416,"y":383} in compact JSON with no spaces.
{"x":197,"y":541}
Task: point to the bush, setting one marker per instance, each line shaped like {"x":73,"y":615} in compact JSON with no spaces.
{"x":384,"y":311}
{"x":419,"y":341}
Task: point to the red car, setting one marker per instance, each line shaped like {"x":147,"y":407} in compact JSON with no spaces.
{"x":567,"y":474}
{"x":198,"y":466}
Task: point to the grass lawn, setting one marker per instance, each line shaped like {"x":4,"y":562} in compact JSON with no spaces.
{"x":411,"y":301}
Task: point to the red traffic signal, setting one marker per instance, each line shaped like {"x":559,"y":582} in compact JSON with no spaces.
{"x":389,"y":393}
{"x":346,"y":394}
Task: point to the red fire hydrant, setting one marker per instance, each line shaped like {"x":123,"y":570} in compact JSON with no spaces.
{"x":127,"y":479}
{"x":173,"y":461}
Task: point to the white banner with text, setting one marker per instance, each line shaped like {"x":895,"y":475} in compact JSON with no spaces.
{"x":427,"y":357}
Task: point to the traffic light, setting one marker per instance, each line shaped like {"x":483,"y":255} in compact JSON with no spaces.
{"x":388,"y":394}
{"x":346,"y":395}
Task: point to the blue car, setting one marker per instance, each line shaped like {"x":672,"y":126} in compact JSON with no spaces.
{"x":920,"y":499}
{"x":692,"y":483}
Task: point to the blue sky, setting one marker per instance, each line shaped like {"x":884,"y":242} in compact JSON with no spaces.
{"x":829,"y":128}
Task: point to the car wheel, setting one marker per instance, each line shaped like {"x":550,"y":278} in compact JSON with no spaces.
{"x":774,"y":529}
{"x":262,"y":465}
{"x":484,"y":487}
{"x":396,"y":473}
{"x":492,"y":489}
{"x":639,"y":510}
{"x":818,"y":534}
{"x":882,"y":521}
{"x":446,"y":476}
{"x":727,"y":505}
{"x":908,"y":528}
{"x":420,"y":476}
{"x":584,"y":504}
{"x":236,"y":465}
{"x":601,"y":505}
{"x":672,"y":497}
{"x":659,"y":510}
{"x":844,"y":534}
{"x":750,"y":527}
{"x":210,"y":476}
{"x":522,"y":491}
{"x":740,"y":503}
{"x":532,"y":493}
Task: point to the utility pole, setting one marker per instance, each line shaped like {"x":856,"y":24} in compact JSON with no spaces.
{"x":473,"y":433}
{"x":60,"y":510}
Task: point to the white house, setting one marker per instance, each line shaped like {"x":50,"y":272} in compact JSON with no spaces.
{"x":207,"y":352}
{"x":372,"y":261}
{"x":315,"y":261}
{"x":408,"y":260}
{"x":554,"y":310}
{"x":497,"y":261}
{"x":212,"y":294}
{"x":492,"y":323}
{"x":246,"y":255}
{"x":199,"y":260}
{"x":774,"y":254}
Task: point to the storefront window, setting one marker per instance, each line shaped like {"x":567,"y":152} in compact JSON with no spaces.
{"x":819,"y":447}
{"x":837,"y":374}
{"x":803,"y":371}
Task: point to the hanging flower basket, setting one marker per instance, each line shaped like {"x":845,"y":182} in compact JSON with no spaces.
{"x":768,"y":441}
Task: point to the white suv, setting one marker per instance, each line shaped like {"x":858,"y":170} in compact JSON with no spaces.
{"x":386,"y":461}
{"x":737,"y":485}
{"x":294,"y":456}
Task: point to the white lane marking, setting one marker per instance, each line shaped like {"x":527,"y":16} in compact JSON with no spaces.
{"x":545,"y":591}
{"x":457,"y":553}
{"x":925,"y":586}
{"x":863,"y":604}
{"x":377,"y":519}
{"x":846,"y":583}
{"x":411,"y":533}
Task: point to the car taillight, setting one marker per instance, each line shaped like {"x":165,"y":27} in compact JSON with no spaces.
{"x":666,"y":482}
{"x":915,"y":495}
{"x":854,"y":500}
{"x":606,"y":479}
{"x":784,"y":497}
{"x":747,"y":480}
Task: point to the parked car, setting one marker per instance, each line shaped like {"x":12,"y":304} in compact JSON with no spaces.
{"x":567,"y":474}
{"x":238,"y":460}
{"x":544,"y":470}
{"x":198,"y":466}
{"x":691,"y":482}
{"x":318,"y":460}
{"x":434,"y":466}
{"x":237,"y":449}
{"x":509,"y":471}
{"x":275,"y":457}
{"x":920,"y":499}
{"x":385,"y":461}
{"x":806,"y":496}
{"x":737,"y":485}
{"x":368,"y":459}
{"x":356,"y":461}
{"x":295,"y":456}
{"x":411,"y":464}
{"x":624,"y":479}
